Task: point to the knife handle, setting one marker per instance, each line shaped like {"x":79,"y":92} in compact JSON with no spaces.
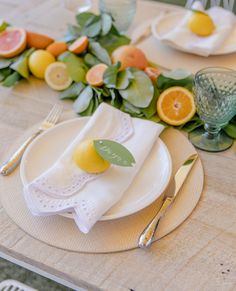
{"x":15,"y":159}
{"x":146,"y":237}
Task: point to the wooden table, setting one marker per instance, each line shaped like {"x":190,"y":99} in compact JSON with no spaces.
{"x":199,"y":255}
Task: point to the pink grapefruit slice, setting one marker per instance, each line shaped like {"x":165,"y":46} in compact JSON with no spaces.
{"x":12,"y":42}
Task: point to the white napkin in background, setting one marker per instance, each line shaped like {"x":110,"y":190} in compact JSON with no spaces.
{"x":65,"y":187}
{"x":181,"y":37}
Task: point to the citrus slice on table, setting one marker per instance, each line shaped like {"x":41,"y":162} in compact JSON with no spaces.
{"x":79,"y":45}
{"x":176,"y":105}
{"x":57,"y":76}
{"x":12,"y":42}
{"x":94,"y":76}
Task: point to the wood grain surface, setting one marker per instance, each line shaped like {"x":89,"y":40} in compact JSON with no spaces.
{"x":199,"y":255}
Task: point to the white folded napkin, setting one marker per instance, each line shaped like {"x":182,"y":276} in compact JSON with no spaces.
{"x":182,"y":38}
{"x":65,"y":187}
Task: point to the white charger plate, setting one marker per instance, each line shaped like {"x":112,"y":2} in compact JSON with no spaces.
{"x":165,"y":23}
{"x":147,"y":186}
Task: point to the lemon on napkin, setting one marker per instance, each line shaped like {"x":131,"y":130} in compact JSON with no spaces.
{"x":220,"y":24}
{"x":65,"y":187}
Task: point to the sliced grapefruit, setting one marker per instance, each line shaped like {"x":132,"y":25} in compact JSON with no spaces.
{"x":94,"y":76}
{"x":176,"y":106}
{"x":79,"y":45}
{"x":57,"y":76}
{"x":37,"y":40}
{"x":12,"y":42}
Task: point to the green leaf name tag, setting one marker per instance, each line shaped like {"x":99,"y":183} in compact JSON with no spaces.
{"x":114,"y":152}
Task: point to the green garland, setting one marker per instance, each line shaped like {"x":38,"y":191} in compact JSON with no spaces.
{"x":129,"y":90}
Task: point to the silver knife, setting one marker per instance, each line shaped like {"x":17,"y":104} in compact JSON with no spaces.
{"x":146,"y":237}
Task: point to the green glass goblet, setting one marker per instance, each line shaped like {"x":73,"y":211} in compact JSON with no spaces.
{"x":215,"y":98}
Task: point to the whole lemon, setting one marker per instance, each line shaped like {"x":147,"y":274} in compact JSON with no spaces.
{"x":39,"y":61}
{"x":86,"y":157}
{"x":201,"y":24}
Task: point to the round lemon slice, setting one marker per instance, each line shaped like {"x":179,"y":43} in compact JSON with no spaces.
{"x":57,"y":76}
{"x":176,"y":105}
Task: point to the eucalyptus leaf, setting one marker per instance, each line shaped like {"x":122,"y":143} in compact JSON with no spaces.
{"x":152,"y":108}
{"x":20,"y":65}
{"x":110,"y":75}
{"x":74,"y":30}
{"x":123,"y":79}
{"x":11,"y":80}
{"x":111,"y":41}
{"x":116,"y":100}
{"x":175,"y":78}
{"x":93,"y":29}
{"x":230,"y":130}
{"x":83,"y":100}
{"x":4,"y":63}
{"x":72,"y":92}
{"x":91,"y":60}
{"x":191,"y":125}
{"x":114,"y":152}
{"x":140,"y":91}
{"x":177,"y":74}
{"x":3,"y":26}
{"x":155,"y":118}
{"x":4,"y":73}
{"x":99,"y":52}
{"x":106,"y":23}
{"x":131,"y":109}
{"x":85,"y":18}
{"x":75,"y":66}
{"x":90,"y":109}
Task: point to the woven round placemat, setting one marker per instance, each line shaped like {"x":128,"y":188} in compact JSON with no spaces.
{"x":106,"y":236}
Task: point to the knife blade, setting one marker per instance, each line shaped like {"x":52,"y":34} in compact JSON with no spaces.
{"x":146,"y":237}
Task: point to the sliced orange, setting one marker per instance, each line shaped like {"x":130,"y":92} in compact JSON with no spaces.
{"x":94,"y":76}
{"x":56,"y":48}
{"x":38,"y":40}
{"x":79,"y":45}
{"x":12,"y":42}
{"x":176,"y":105}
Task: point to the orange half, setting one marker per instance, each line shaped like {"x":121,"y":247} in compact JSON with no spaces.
{"x":176,"y":105}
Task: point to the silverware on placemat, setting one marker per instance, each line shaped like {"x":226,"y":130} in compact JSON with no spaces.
{"x":15,"y":159}
{"x":146,"y":237}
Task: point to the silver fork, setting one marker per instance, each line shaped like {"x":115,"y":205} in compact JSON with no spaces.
{"x":15,"y":159}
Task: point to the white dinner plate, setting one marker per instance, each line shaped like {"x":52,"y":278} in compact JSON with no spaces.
{"x":147,"y":186}
{"x":165,"y":23}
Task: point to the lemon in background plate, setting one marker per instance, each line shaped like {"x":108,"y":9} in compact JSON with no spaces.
{"x":87,"y":159}
{"x":201,"y":23}
{"x":39,"y":61}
